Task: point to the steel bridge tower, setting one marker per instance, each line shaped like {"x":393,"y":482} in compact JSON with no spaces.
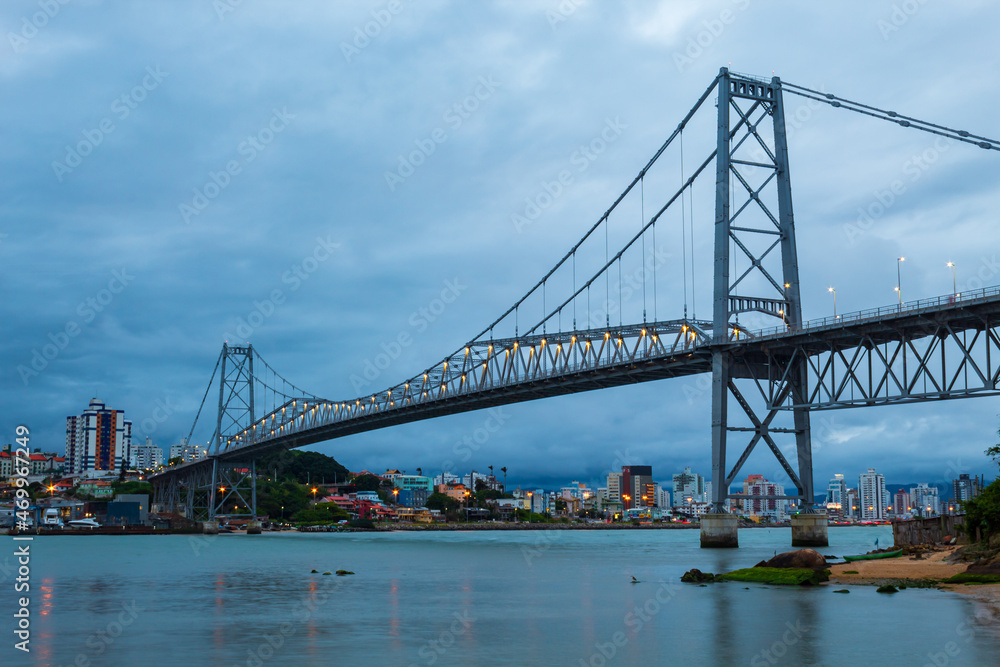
{"x":227,"y":483}
{"x":749,"y":164}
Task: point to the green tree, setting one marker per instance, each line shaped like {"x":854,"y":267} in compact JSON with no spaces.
{"x":983,"y":511}
{"x":441,"y":502}
{"x":367,"y":482}
{"x":284,"y":499}
{"x":304,"y":467}
{"x":133,"y":487}
{"x":320,"y":513}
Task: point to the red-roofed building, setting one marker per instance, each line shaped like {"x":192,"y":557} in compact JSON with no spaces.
{"x":343,"y":502}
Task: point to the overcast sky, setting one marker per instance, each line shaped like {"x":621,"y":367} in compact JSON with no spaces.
{"x":169,"y":169}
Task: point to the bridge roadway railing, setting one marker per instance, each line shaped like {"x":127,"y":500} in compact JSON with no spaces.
{"x":984,"y":295}
{"x":484,"y":366}
{"x":933,"y":349}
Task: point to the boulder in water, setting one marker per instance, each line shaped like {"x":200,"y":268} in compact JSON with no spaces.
{"x":696,"y":576}
{"x":809,"y":559}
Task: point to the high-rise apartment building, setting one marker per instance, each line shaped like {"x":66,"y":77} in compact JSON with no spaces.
{"x":638,"y":489}
{"x":872,"y":496}
{"x":614,"y":487}
{"x":926,"y":501}
{"x":769,"y":505}
{"x":188,"y":452}
{"x":836,"y":496}
{"x":98,"y":440}
{"x":964,"y":488}
{"x":688,"y":484}
{"x":902,"y":503}
{"x":146,"y":456}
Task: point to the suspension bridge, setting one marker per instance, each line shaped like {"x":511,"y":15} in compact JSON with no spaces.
{"x":773,"y":377}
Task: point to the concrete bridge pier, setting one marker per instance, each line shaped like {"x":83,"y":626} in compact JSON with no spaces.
{"x":718,"y":531}
{"x":809,"y":530}
{"x":253,"y":527}
{"x":210,"y":527}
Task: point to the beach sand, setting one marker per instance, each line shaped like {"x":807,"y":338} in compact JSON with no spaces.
{"x":931,"y":566}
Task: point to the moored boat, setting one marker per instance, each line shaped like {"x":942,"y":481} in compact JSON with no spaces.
{"x":875,"y":556}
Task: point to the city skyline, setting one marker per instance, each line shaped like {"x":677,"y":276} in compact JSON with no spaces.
{"x":304,"y":249}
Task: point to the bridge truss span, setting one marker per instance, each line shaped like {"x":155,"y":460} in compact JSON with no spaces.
{"x":948,"y":349}
{"x":493,"y":372}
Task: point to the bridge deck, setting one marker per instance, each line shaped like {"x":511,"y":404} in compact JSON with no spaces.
{"x":502,"y":372}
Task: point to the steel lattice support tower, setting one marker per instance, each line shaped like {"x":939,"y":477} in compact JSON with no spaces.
{"x":236,"y":414}
{"x":743,"y":152}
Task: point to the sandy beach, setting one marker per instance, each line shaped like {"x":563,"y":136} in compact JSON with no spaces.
{"x":932,"y":566}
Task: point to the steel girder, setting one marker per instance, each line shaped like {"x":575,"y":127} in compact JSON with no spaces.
{"x":922,"y":357}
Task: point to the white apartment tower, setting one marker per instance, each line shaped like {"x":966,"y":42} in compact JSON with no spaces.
{"x":146,"y":456}
{"x":98,"y":440}
{"x":872,"y":496}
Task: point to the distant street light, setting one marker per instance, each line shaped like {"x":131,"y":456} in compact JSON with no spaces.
{"x":899,"y":283}
{"x":830,"y":289}
{"x":954,"y":288}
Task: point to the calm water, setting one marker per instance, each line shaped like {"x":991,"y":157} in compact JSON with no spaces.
{"x":485,"y":598}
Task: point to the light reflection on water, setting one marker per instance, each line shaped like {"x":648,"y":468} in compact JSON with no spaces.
{"x":483,"y":598}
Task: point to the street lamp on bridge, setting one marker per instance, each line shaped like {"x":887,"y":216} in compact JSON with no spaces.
{"x":954,"y":288}
{"x":831,"y":289}
{"x":899,"y":283}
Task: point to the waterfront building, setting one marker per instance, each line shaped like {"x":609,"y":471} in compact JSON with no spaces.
{"x":187,"y":452}
{"x":662,"y":497}
{"x":577,"y":490}
{"x":98,"y":440}
{"x":902,"y":504}
{"x":688,"y":484}
{"x":852,"y":505}
{"x":615,"y":487}
{"x":447,"y":478}
{"x":454,"y":491}
{"x":769,"y":506}
{"x":539,"y":504}
{"x":925,"y":500}
{"x":411,"y":497}
{"x":872,"y":495}
{"x":964,"y":488}
{"x":147,"y":456}
{"x":413,"y":482}
{"x":836,"y":496}
{"x":99,"y":488}
{"x":637,"y":484}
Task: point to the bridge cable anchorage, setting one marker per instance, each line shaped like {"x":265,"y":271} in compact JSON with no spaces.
{"x":892,"y":117}
{"x":596,"y":225}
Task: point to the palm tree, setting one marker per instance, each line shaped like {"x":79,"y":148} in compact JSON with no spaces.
{"x":504,"y":471}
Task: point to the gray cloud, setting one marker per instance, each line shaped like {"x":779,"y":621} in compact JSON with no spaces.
{"x":324,"y":176}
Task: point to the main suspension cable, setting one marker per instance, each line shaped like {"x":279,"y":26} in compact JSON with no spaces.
{"x":892,"y":116}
